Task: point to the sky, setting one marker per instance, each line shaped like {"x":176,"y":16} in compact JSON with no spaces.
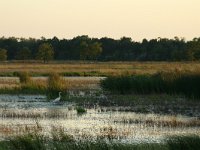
{"x":137,"y":19}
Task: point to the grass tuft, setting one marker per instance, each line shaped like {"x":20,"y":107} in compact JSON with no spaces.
{"x":24,"y":77}
{"x":55,"y":85}
{"x":81,"y":110}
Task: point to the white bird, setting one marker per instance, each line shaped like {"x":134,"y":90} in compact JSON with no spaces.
{"x":57,"y":99}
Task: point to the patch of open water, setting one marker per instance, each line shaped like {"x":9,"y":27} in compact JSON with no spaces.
{"x":29,"y":113}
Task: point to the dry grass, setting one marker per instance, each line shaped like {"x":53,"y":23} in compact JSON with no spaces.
{"x":87,"y":68}
{"x":105,"y":68}
{"x":171,"y":122}
{"x":9,"y":82}
{"x":110,"y":133}
{"x":9,"y":130}
{"x":42,"y":83}
{"x":157,"y":120}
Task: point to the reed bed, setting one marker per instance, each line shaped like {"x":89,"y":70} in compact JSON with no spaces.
{"x":52,"y":113}
{"x":96,"y":124}
{"x":24,"y":77}
{"x":171,"y":122}
{"x":174,"y":83}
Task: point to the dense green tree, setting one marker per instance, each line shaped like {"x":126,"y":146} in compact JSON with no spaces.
{"x":104,"y":49}
{"x":24,"y":54}
{"x":84,"y":50}
{"x":95,"y":50}
{"x":109,"y":47}
{"x":3,"y":54}
{"x":45,"y":52}
{"x":11,"y":45}
{"x":90,"y":50}
{"x":125,"y":49}
{"x":194,"y":49}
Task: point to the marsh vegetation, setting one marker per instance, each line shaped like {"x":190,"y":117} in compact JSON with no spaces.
{"x":88,"y":68}
{"x":174,"y":83}
{"x":125,"y":110}
{"x":49,"y":125}
{"x":61,"y":141}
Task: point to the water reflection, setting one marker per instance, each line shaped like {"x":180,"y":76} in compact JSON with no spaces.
{"x":22,"y":114}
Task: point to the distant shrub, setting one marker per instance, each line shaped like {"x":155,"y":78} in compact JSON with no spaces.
{"x":24,"y":77}
{"x":55,"y":85}
{"x":80,"y":110}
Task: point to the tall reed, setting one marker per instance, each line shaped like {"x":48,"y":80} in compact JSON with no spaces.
{"x":175,"y":83}
{"x":24,"y":77}
{"x":55,"y":85}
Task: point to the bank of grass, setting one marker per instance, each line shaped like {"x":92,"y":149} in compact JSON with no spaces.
{"x":51,"y":87}
{"x":55,"y":85}
{"x":173,"y":83}
{"x":87,"y":68}
{"x":62,"y":141}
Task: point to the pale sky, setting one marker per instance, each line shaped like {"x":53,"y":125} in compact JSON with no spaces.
{"x":137,"y":19}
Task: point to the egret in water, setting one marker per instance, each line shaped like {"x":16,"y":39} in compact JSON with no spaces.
{"x":57,"y":99}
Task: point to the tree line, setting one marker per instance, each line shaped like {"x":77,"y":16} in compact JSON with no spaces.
{"x":103,"y":49}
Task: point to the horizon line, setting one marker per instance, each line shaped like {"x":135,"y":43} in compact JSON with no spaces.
{"x":65,"y":38}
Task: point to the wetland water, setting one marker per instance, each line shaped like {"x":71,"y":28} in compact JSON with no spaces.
{"x":20,"y":114}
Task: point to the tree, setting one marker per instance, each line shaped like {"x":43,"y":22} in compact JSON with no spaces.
{"x":3,"y":54}
{"x":124,"y":49}
{"x":90,"y":50}
{"x":84,"y":50}
{"x":24,"y":54}
{"x":193,"y":51}
{"x":95,"y":50}
{"x":45,"y":52}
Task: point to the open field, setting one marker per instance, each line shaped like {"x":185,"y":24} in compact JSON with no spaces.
{"x":76,"y":68}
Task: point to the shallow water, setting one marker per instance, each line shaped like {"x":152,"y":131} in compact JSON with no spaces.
{"x":20,"y":114}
